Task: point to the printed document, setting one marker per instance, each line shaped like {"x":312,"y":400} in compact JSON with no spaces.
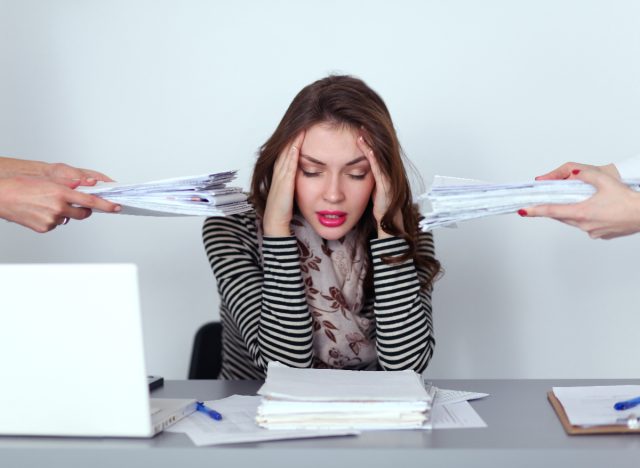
{"x":456,"y":416}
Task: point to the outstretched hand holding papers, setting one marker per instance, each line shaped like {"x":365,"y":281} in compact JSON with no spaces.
{"x":201,"y":195}
{"x":454,"y":200}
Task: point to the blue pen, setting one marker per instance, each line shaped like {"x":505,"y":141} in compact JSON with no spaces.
{"x":200,"y":406}
{"x":623,"y":405}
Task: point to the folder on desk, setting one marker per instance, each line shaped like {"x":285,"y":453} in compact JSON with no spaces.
{"x":589,"y":410}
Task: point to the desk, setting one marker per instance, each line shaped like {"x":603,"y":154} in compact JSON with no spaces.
{"x":523,"y":432}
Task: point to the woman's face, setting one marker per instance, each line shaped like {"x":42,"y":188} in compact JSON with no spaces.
{"x":334,"y":180}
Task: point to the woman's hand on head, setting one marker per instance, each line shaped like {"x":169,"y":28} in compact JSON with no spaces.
{"x":279,"y":209}
{"x":382,"y":192}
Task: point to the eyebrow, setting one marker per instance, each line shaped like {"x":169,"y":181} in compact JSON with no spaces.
{"x":320,"y":163}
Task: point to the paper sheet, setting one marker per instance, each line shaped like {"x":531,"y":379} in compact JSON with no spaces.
{"x":445,"y":397}
{"x":238,"y":424}
{"x":456,"y":416}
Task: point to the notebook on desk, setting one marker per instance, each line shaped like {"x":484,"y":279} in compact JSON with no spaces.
{"x":72,"y":355}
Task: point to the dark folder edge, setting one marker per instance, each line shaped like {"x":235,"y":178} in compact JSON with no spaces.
{"x":578,"y":430}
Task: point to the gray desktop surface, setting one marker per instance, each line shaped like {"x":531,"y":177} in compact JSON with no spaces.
{"x":522,"y":431}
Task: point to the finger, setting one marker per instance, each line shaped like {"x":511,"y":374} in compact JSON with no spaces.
{"x":95,"y":176}
{"x":562,"y":172}
{"x":71,"y":183}
{"x":565,"y":213}
{"x":294,"y":152}
{"x":76,"y":212}
{"x":598,"y":179}
{"x":298,"y":140}
{"x":282,"y":163}
{"x":88,"y":182}
{"x":93,"y":202}
{"x":373,"y":162}
{"x":603,"y":235}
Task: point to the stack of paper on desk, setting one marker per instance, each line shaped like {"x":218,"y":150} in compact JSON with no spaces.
{"x":454,"y":200}
{"x":342,"y":399}
{"x":202,"y":195}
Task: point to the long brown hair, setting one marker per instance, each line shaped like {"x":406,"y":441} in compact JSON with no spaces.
{"x":347,"y":101}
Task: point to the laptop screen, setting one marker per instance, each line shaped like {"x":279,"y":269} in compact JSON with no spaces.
{"x":71,"y":351}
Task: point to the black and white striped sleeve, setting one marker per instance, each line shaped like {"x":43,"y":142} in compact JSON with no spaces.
{"x":404,"y":327}
{"x":268,"y":306}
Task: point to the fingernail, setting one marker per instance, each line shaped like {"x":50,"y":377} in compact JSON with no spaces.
{"x":117,"y":208}
{"x":522,"y":212}
{"x":575,"y":171}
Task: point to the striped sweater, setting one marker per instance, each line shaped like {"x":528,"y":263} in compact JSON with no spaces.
{"x":264,"y":311}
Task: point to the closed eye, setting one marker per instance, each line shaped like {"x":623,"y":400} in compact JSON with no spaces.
{"x":310,"y":174}
{"x":357,"y":176}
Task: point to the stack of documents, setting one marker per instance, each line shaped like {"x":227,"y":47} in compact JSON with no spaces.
{"x":202,"y":195}
{"x":343,"y":399}
{"x":454,"y":200}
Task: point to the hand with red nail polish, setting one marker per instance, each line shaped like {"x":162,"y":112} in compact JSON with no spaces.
{"x":42,"y":196}
{"x":613,"y":211}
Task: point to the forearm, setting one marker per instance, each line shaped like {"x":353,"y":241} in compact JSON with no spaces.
{"x":249,"y":291}
{"x":285,"y":331}
{"x":404,"y":338}
{"x":11,"y":167}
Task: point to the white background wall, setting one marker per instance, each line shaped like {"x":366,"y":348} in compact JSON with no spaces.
{"x":495,"y":90}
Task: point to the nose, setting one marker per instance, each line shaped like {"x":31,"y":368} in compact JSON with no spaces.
{"x":333,"y":190}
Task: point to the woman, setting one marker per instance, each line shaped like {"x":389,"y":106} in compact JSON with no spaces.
{"x":331,"y":270}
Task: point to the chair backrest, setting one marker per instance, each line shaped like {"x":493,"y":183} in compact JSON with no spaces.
{"x":206,"y":355}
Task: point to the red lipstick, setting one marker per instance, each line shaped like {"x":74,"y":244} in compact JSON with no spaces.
{"x":331,"y":218}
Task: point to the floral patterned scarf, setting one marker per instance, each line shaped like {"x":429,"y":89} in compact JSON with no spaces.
{"x":333,"y":272}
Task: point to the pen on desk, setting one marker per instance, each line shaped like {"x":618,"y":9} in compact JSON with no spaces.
{"x":200,"y":406}
{"x":626,"y":404}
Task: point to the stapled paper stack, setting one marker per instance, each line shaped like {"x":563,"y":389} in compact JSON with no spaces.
{"x":202,"y":195}
{"x":343,"y":399}
{"x":454,"y":200}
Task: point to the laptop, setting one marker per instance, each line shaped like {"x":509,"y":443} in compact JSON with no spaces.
{"x":72,"y":355}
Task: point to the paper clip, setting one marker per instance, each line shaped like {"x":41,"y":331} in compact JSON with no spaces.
{"x":632,"y":421}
